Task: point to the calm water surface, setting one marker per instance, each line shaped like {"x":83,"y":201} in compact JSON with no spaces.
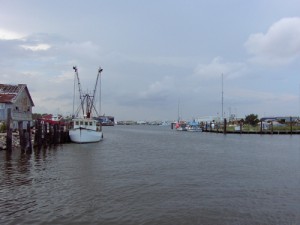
{"x":154,"y":175}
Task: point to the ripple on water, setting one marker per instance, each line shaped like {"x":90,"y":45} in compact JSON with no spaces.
{"x":153,"y":175}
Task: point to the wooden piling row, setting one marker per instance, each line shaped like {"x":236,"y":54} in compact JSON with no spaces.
{"x":50,"y":134}
{"x":42,"y":135}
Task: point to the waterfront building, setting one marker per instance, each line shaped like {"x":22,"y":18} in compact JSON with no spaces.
{"x":16,"y":98}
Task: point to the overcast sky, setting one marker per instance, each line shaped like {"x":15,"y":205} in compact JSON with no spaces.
{"x":156,"y":54}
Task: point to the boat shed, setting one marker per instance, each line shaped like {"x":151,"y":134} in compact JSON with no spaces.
{"x":18,"y":99}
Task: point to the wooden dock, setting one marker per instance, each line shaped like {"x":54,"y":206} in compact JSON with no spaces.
{"x":285,"y":132}
{"x":42,"y":135}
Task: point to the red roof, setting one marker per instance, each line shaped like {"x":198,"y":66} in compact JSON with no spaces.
{"x":6,"y":98}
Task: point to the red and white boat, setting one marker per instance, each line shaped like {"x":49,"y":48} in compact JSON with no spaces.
{"x":52,"y":119}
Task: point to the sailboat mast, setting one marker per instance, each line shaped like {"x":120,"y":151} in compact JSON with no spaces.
{"x":178,"y":113}
{"x":73,"y":113}
{"x":222,"y":99}
{"x":100,"y":70}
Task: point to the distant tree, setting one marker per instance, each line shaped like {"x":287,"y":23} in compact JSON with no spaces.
{"x":251,"y":119}
{"x":282,"y":121}
{"x":36,"y":116}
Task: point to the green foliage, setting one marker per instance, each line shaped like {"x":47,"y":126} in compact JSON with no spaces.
{"x":251,"y":119}
{"x":36,"y":116}
{"x":2,"y":127}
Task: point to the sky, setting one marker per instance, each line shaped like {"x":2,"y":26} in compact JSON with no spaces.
{"x":161,"y":58}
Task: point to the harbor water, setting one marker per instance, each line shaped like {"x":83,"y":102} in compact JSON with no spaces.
{"x":155,"y":175}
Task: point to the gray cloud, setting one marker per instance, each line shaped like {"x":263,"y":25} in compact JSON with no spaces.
{"x":279,"y":45}
{"x":151,"y":62}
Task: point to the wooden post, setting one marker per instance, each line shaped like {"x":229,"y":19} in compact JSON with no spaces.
{"x":45,"y":134}
{"x":272,"y":127}
{"x":39,"y":134}
{"x":50,"y":134}
{"x":61,"y":134}
{"x":29,"y":143}
{"x":21,"y":136}
{"x":8,"y":131}
{"x":241,"y":127}
{"x":55,"y":134}
{"x":291,"y":125}
{"x":261,"y":122}
{"x":225,"y":125}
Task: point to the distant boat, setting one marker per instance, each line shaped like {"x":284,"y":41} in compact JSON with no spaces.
{"x":52,"y":119}
{"x":85,"y":129}
{"x":165,"y":123}
{"x":106,"y":120}
{"x":193,"y":127}
{"x":181,"y":126}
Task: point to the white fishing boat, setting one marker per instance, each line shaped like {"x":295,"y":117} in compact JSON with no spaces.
{"x":85,"y":129}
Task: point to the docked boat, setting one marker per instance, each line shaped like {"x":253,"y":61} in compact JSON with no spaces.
{"x":193,"y":127}
{"x":106,"y":120}
{"x":86,"y":129}
{"x":52,"y":119}
{"x":181,"y":126}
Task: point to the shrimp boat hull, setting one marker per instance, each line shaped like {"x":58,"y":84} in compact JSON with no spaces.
{"x":85,"y":131}
{"x":85,"y":136}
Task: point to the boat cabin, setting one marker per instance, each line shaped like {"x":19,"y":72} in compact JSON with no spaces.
{"x":86,"y":123}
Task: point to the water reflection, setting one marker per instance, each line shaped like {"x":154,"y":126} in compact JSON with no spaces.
{"x":21,"y":174}
{"x":18,"y":167}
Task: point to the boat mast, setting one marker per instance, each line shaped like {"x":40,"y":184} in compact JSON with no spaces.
{"x":79,"y":87}
{"x":73,"y":114}
{"x":92,"y":98}
{"x":100,"y":70}
{"x":178,"y":113}
{"x":87,"y":100}
{"x":222,"y":98}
